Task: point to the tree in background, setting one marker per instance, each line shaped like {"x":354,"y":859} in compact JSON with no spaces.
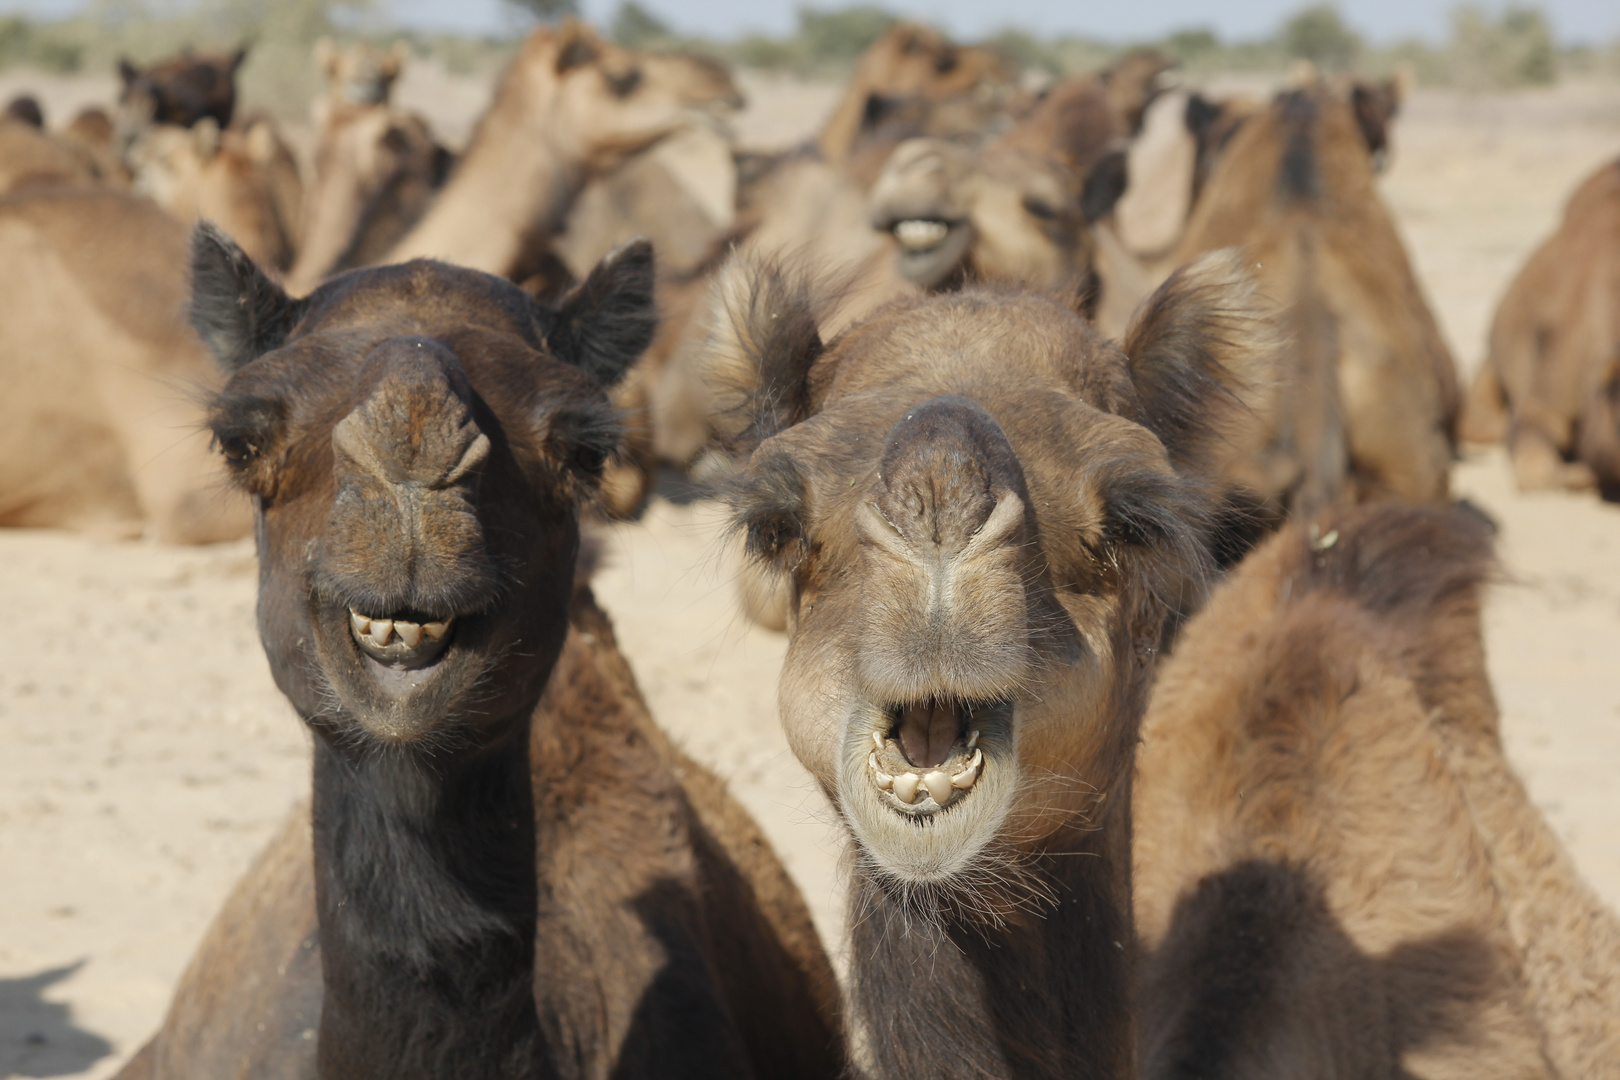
{"x":1319,"y":34}
{"x":546,"y":10}
{"x":1513,"y":50}
{"x":637,"y":28}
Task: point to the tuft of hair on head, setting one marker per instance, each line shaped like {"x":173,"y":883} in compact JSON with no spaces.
{"x":1204,"y":355}
{"x":606,"y":322}
{"x":1396,"y":559}
{"x":237,"y":310}
{"x":764,"y":339}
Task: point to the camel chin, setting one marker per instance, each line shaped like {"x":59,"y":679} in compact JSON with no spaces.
{"x":928,"y":787}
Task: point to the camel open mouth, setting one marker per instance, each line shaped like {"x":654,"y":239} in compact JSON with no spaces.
{"x":930,"y":756}
{"x":403,"y":640}
{"x":931,"y":249}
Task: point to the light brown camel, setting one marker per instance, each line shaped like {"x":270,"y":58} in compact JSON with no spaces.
{"x":980,"y":509}
{"x":228,"y":177}
{"x":376,"y":169}
{"x":1550,"y":384}
{"x":910,"y":60}
{"x":513,"y":872}
{"x":32,"y":158}
{"x":1368,"y":404}
{"x":987,"y":516}
{"x":1018,"y":208}
{"x":1337,"y":872}
{"x":571,"y":106}
{"x":101,"y":429}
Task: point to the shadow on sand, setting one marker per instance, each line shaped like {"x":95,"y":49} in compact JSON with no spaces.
{"x":38,"y":1037}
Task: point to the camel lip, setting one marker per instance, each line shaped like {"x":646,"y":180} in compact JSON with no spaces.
{"x":931,"y":249}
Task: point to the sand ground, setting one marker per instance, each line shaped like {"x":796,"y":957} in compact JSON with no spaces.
{"x":145,"y":754}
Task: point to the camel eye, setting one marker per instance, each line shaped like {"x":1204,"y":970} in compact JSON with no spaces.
{"x":623,"y":84}
{"x":1040,"y":208}
{"x":768,"y":535}
{"x":238,"y":450}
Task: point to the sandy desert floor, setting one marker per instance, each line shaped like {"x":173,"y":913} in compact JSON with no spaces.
{"x":145,"y":754}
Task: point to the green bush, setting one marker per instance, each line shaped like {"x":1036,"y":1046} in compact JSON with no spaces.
{"x":637,"y":28}
{"x":1513,"y":50}
{"x":1318,"y":34}
{"x":842,"y":35}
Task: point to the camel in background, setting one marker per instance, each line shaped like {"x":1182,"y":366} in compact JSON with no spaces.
{"x":101,"y":429}
{"x":1550,"y":384}
{"x":376,"y":168}
{"x":571,"y":106}
{"x":180,"y":90}
{"x":1367,"y":404}
{"x":244,"y":181}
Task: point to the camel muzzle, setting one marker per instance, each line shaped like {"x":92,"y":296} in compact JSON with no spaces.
{"x":404,"y":537}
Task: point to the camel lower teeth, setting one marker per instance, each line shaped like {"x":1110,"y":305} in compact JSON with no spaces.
{"x":937,"y":783}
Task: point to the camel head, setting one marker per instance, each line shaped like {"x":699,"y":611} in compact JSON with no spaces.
{"x":416,"y":440}
{"x":376,"y":171}
{"x":910,"y":60}
{"x":181,"y":90}
{"x":982,"y":511}
{"x":1020,"y":208}
{"x":596,"y":103}
{"x":360,"y":74}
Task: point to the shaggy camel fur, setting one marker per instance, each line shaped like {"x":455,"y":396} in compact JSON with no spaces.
{"x":1367,"y":408}
{"x":1551,"y":380}
{"x":227,"y":177}
{"x":101,"y":432}
{"x":979,"y":508}
{"x":571,"y":106}
{"x":1337,"y":873}
{"x":509,"y":877}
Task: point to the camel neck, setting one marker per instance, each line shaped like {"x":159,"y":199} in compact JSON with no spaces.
{"x":1044,"y":994}
{"x":425,"y":887}
{"x":511,"y":190}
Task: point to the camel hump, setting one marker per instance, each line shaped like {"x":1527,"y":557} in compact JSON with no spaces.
{"x":1395,"y":559}
{"x":946,"y":465}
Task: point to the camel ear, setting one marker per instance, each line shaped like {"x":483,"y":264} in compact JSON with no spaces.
{"x":127,"y":72}
{"x":1104,"y":186}
{"x":576,"y":46}
{"x":236,"y":309}
{"x":763,"y":341}
{"x":1200,"y":351}
{"x":604,"y":324}
{"x":236,"y":59}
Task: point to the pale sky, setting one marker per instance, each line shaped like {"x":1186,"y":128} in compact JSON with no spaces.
{"x":1380,"y":20}
{"x":1574,"y":21}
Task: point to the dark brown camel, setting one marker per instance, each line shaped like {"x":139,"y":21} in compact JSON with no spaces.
{"x":180,"y":90}
{"x":509,"y":878}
